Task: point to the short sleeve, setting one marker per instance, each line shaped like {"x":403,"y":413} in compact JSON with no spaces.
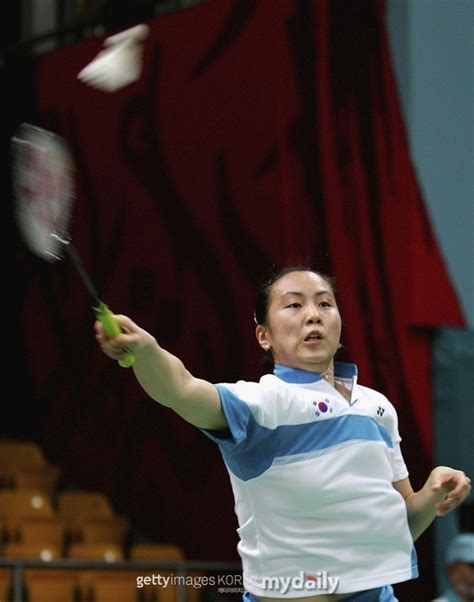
{"x":389,"y":419}
{"x":400,"y":470}
{"x":243,"y":430}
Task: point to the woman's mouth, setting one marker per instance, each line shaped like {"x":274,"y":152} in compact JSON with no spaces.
{"x":313,"y":338}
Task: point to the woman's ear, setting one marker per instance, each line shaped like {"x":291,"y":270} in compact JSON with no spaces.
{"x":262,"y":337}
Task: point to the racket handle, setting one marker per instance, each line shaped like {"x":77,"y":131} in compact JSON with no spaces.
{"x":112,"y":329}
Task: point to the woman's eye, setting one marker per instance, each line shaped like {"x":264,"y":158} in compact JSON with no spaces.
{"x":295,"y":305}
{"x":325,"y":304}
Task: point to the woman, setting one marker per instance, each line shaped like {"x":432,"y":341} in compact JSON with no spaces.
{"x":325,"y":507}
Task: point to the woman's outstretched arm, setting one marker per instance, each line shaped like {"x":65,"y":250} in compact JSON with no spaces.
{"x":163,"y":376}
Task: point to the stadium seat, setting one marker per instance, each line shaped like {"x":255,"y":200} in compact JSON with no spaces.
{"x":90,"y":504}
{"x":52,"y":585}
{"x":14,"y":453}
{"x":76,"y":508}
{"x":40,"y":551}
{"x":43,"y":477}
{"x":96,"y":551}
{"x":22,"y":503}
{"x":161,"y":553}
{"x":19,"y":504}
{"x":111,"y":530}
{"x":44,"y":529}
{"x":110,"y":585}
{"x":6,"y":583}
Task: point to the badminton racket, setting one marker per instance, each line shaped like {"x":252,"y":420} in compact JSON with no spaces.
{"x":43,"y":193}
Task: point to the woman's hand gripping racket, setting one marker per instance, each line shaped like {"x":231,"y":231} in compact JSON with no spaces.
{"x":43,"y":189}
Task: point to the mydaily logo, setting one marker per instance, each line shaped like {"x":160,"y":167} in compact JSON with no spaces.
{"x":320,"y":581}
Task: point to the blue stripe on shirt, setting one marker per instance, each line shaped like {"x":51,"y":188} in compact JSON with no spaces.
{"x":249,"y":448}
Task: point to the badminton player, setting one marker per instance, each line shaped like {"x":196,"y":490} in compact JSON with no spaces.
{"x":323,"y":499}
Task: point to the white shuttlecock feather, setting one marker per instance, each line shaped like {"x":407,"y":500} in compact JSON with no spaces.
{"x":120,"y":63}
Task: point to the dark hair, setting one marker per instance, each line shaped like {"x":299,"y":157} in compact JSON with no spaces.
{"x":263,"y":294}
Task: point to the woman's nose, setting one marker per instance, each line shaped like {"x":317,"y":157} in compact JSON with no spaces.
{"x":313,"y":316}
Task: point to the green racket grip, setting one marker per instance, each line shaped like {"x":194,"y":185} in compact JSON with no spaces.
{"x":112,"y":329}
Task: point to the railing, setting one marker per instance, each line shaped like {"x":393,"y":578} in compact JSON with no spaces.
{"x":182,"y":569}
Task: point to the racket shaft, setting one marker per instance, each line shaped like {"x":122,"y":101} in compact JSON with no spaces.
{"x":76,"y":259}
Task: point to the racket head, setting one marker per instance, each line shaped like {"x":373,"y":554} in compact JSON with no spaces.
{"x":43,"y":189}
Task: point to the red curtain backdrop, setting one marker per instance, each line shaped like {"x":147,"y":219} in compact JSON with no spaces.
{"x":260,"y":133}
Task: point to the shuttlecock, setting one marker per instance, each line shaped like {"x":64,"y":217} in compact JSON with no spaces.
{"x":120,"y":63}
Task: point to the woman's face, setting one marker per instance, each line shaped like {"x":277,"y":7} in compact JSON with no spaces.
{"x":303,"y":325}
{"x":461,"y":575}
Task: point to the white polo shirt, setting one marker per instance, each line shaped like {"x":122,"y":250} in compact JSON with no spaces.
{"x":312,"y":479}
